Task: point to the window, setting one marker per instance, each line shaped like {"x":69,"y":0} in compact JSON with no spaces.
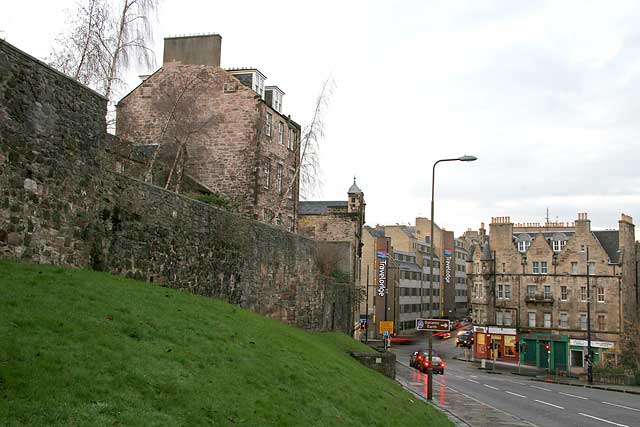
{"x":532,"y":319}
{"x":267,"y":173}
{"x":279,"y":172}
{"x":576,"y":358}
{"x":583,"y":321}
{"x":507,"y":291}
{"x":543,"y":267}
{"x":558,"y":245}
{"x":583,"y":293}
{"x":281,"y":133}
{"x":291,"y":183}
{"x":290,"y":140}
{"x":536,"y":267}
{"x":564,"y":319}
{"x":504,"y":267}
{"x":563,"y":293}
{"x":500,"y":289}
{"x":602,"y":322}
{"x":547,"y":320}
{"x":267,"y":125}
{"x":592,"y":268}
{"x":499,"y":317}
{"x":600,"y":294}
{"x":547,"y":292}
{"x":531,"y":291}
{"x":523,"y":245}
{"x":574,"y":268}
{"x":507,"y":318}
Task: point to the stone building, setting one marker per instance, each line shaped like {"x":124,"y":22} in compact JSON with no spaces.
{"x":530,"y":285}
{"x":337,"y":221}
{"x":225,"y":127}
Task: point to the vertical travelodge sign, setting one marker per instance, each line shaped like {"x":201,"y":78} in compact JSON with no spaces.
{"x":382,"y":257}
{"x":447,"y":265}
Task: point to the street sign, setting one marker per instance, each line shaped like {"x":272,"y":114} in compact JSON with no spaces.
{"x":385,"y":334}
{"x":386,"y":326}
{"x":434,"y":325}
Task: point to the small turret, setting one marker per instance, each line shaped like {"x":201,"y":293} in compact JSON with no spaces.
{"x":356,"y":198}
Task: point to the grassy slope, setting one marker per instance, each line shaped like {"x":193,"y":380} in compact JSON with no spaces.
{"x":79,"y":347}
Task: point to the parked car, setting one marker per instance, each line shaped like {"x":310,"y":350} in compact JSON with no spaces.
{"x":443,"y":334}
{"x":465,"y":338}
{"x":437,"y":363}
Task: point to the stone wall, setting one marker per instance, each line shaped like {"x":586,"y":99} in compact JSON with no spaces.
{"x":383,"y":362}
{"x":62,"y":204}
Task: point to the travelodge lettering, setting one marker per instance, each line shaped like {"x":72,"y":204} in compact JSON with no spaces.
{"x":382,"y":257}
{"x":447,"y":266}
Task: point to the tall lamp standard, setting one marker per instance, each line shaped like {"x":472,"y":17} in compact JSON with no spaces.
{"x":589,"y":357}
{"x":430,"y":333}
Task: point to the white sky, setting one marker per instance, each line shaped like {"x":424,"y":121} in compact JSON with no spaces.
{"x":545,"y":94}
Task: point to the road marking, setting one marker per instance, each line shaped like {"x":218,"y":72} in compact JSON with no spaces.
{"x":490,"y":386}
{"x":603,"y":420}
{"x":474,"y":381}
{"x":540,"y":388}
{"x":620,"y":406}
{"x":515,"y":394}
{"x":473,"y":376}
{"x":516,"y":382}
{"x":573,"y":395}
{"x":458,"y":376}
{"x":550,"y":404}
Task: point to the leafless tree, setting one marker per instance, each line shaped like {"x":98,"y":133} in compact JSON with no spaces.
{"x":102,"y":41}
{"x":184,"y":120}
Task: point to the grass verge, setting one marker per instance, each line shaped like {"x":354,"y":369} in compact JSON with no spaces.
{"x":85,"y":348}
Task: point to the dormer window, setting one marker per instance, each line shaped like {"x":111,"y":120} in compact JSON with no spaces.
{"x":273,"y":96}
{"x":251,"y":78}
{"x":558,"y":245}
{"x":523,"y":246}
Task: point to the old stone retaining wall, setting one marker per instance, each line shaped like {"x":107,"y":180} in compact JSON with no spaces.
{"x":61,"y":204}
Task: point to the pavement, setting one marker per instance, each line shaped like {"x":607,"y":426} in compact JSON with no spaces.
{"x":477,"y":397}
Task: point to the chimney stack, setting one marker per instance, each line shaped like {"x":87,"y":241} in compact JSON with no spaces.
{"x":197,"y":49}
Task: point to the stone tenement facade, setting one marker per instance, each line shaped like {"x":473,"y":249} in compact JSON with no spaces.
{"x":530,"y":284}
{"x":237,"y":144}
{"x":61,"y":203}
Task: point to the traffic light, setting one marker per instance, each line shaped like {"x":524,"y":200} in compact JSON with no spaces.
{"x":363,"y":324}
{"x":546,"y":345}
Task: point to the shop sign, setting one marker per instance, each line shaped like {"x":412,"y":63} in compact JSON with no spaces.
{"x":382,"y":257}
{"x":447,"y":265}
{"x":596,"y":344}
{"x":480,"y":329}
{"x":502,"y":331}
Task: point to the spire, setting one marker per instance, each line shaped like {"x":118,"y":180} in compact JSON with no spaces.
{"x":354,"y":189}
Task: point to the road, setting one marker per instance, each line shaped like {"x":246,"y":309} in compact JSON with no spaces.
{"x":534,"y":403}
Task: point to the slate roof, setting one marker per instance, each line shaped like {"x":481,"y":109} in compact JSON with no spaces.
{"x":375,"y":232}
{"x":609,"y":239}
{"x":354,"y":189}
{"x":319,"y":207}
{"x":486,"y":253}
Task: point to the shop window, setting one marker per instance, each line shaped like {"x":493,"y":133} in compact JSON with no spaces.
{"x":577,"y":359}
{"x":509,"y":345}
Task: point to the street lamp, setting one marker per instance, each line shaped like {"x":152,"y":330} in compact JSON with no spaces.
{"x":464,"y":158}
{"x":589,"y":357}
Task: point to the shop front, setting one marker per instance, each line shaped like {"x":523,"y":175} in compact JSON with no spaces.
{"x":504,"y":342}
{"x":578,"y":351}
{"x":548,"y":351}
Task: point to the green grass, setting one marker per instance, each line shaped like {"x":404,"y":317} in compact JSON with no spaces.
{"x":84,"y":348}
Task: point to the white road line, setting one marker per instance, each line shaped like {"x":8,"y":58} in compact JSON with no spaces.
{"x":490,"y":386}
{"x":540,"y":388}
{"x":550,"y":404}
{"x":603,"y":420}
{"x":474,"y":381}
{"x":473,"y":376}
{"x":620,"y":406}
{"x":515,"y":394}
{"x":458,"y":376}
{"x":516,"y":382}
{"x":573,"y":395}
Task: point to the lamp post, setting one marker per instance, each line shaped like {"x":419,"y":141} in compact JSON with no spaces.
{"x":589,"y":355}
{"x":430,"y":334}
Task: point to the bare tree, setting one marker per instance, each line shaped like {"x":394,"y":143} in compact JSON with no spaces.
{"x":308,"y":165}
{"x":184,"y":120}
{"x":100,"y":44}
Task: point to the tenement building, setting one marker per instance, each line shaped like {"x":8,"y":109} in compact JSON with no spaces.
{"x":533,"y":284}
{"x":224,"y":127}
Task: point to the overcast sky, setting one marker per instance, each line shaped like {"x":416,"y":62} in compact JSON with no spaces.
{"x":545,"y":94}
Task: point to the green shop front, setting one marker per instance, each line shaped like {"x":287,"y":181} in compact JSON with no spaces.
{"x":548,"y":351}
{"x":578,"y":351}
